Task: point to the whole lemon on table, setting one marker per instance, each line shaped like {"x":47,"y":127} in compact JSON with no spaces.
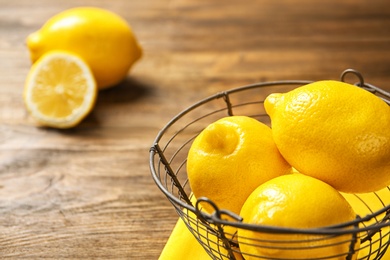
{"x":182,"y":243}
{"x":334,"y":131}
{"x":102,"y":38}
{"x":295,"y":201}
{"x":230,"y":158}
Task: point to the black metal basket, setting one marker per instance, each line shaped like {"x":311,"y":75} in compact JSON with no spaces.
{"x":216,"y":231}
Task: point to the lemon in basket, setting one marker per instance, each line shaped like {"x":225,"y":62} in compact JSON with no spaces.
{"x":230,"y":158}
{"x":100,"y":37}
{"x":295,"y":201}
{"x":366,"y":204}
{"x":60,"y":90}
{"x":334,"y":131}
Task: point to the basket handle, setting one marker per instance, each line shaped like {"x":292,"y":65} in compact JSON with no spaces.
{"x":369,"y":87}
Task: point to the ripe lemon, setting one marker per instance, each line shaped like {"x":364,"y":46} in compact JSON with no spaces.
{"x":334,"y":131}
{"x":295,"y":201}
{"x":230,"y":158}
{"x":182,"y":244}
{"x":60,"y":90}
{"x":102,"y":38}
{"x":365,"y":204}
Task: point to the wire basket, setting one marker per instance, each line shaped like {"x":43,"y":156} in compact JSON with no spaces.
{"x":216,"y":232}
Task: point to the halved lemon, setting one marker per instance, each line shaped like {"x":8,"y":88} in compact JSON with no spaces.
{"x":60,"y":90}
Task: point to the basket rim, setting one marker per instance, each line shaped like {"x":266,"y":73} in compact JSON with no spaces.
{"x":349,"y":227}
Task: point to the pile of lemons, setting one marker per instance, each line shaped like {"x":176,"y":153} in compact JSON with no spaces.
{"x":327,"y":140}
{"x":76,"y":53}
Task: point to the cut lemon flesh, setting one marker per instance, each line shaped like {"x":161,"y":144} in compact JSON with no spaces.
{"x":60,"y":90}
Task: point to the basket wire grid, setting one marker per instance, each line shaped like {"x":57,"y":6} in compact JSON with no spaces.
{"x":216,"y":232}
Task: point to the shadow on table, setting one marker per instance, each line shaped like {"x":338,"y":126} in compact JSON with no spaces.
{"x":128,"y":90}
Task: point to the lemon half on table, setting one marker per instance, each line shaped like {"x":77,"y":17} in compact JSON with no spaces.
{"x":60,"y":90}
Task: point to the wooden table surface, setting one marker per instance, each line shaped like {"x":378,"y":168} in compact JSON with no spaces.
{"x":87,"y":192}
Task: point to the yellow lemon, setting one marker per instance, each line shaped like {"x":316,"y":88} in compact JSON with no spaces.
{"x":334,"y":131}
{"x":295,"y":201}
{"x":100,"y":37}
{"x":182,"y":244}
{"x":230,"y":158}
{"x":60,"y":90}
{"x":365,"y":204}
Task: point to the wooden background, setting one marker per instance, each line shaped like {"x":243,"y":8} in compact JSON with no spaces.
{"x":87,"y":193}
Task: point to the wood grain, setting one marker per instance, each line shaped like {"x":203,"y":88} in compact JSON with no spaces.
{"x":87,"y":193}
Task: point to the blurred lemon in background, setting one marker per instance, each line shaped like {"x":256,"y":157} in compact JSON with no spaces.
{"x":100,"y":37}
